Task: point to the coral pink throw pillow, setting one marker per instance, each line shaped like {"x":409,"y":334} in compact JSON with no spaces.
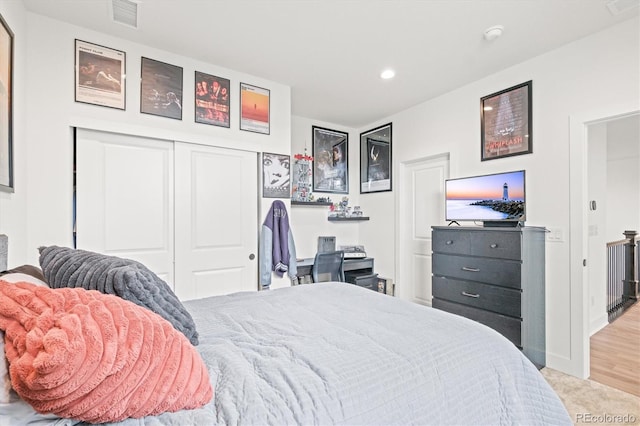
{"x":97,"y":358}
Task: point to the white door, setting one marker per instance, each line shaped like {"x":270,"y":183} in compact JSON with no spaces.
{"x":216,"y":221}
{"x":421,"y":206}
{"x":124,"y":198}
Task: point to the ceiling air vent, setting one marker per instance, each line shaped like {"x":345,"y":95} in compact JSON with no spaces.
{"x":617,"y":7}
{"x":125,"y":12}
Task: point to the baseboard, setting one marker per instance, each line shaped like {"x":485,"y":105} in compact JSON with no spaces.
{"x":564,"y":365}
{"x":598,"y":324}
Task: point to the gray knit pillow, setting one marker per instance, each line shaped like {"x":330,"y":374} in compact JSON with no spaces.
{"x":128,"y":279}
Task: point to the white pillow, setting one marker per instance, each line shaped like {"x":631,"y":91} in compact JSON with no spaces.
{"x":5,"y":380}
{"x":18,"y":277}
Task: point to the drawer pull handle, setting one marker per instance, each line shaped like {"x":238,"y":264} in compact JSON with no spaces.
{"x":494,"y":245}
{"x":449,"y":242}
{"x":466,"y":268}
{"x":475,"y":296}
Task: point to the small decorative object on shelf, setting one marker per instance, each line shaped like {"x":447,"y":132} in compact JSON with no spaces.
{"x":301,"y":178}
{"x":342,"y":212}
{"x":339,"y":209}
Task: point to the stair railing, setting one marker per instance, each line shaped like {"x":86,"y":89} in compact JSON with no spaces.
{"x":622,"y":274}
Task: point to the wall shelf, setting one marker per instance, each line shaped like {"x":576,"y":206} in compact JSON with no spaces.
{"x":310,"y":203}
{"x":347,"y":219}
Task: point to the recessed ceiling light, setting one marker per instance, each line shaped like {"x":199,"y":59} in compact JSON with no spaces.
{"x":493,"y":33}
{"x":387,"y":74}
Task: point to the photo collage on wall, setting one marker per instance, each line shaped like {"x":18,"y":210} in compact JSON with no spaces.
{"x":100,"y":80}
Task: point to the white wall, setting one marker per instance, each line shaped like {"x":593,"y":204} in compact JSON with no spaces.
{"x":310,"y":222}
{"x":13,"y":206}
{"x":600,"y":69}
{"x":623,"y":178}
{"x":597,"y":190}
{"x":52,"y":113}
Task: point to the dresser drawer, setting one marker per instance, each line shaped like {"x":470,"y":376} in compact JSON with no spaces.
{"x":503,"y":245}
{"x":365,"y":280}
{"x":501,"y":300}
{"x":505,"y":273}
{"x":510,"y":328}
{"x":458,"y":242}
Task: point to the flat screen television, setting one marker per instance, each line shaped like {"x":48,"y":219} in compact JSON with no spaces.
{"x":495,"y":199}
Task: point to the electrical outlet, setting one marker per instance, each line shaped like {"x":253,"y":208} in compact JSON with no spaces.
{"x":555,"y":235}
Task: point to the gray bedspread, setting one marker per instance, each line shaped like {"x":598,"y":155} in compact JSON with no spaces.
{"x":334,"y":353}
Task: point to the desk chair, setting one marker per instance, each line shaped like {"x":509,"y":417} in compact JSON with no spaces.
{"x":328,"y":266}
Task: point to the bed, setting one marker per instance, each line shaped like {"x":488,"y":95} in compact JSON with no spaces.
{"x":335,"y":353}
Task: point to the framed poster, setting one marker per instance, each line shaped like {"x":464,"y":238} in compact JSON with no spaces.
{"x":212,"y":98}
{"x":330,"y":165}
{"x":375,"y":159}
{"x":276,"y":180}
{"x":161,"y":89}
{"x":505,"y":121}
{"x":254,"y":109}
{"x":6,"y":107}
{"x":100,"y":73}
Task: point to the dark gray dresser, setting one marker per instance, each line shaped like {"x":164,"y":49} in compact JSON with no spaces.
{"x":494,"y":275}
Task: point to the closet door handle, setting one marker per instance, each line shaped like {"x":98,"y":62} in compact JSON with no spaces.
{"x":449,"y":242}
{"x":466,"y":268}
{"x":252,"y":256}
{"x":494,"y":245}
{"x":475,"y":296}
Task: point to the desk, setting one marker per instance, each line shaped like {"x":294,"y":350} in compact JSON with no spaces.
{"x":364,"y":263}
{"x":358,"y":271}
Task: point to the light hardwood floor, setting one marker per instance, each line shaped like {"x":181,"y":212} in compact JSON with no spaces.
{"x":615,"y":353}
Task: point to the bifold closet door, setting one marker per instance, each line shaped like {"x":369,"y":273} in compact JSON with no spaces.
{"x":216,"y":237}
{"x":124,"y":198}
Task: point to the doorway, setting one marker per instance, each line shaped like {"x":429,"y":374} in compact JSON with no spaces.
{"x":420,"y":206}
{"x":579,"y":362}
{"x":614,"y":207}
{"x":614,"y":202}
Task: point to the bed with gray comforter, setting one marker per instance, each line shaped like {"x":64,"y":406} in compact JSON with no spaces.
{"x":337,"y":354}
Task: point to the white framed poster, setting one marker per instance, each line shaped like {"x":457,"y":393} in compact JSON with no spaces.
{"x":254,"y":109}
{"x":100,"y":73}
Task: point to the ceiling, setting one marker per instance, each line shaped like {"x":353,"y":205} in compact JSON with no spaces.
{"x":331,"y":52}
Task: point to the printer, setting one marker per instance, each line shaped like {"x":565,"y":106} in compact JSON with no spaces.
{"x":353,"y":251}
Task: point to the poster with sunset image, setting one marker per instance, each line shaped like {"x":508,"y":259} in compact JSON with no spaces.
{"x":254,"y":109}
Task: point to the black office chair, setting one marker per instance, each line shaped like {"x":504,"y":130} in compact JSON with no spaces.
{"x":328,"y":267}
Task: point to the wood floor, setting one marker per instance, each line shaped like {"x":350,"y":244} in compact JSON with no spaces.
{"x":615,"y":353}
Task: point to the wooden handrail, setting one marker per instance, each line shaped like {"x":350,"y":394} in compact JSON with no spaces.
{"x":626,"y":240}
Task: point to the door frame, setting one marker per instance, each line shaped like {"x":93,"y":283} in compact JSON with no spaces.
{"x":400,"y":182}
{"x":578,"y":363}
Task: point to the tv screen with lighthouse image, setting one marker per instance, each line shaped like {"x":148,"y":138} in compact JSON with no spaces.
{"x":494,"y":197}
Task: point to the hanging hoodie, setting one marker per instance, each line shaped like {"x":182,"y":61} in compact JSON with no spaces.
{"x":277,"y":249}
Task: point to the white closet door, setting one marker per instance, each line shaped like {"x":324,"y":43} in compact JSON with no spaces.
{"x":124,"y":198}
{"x":216,"y":238}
